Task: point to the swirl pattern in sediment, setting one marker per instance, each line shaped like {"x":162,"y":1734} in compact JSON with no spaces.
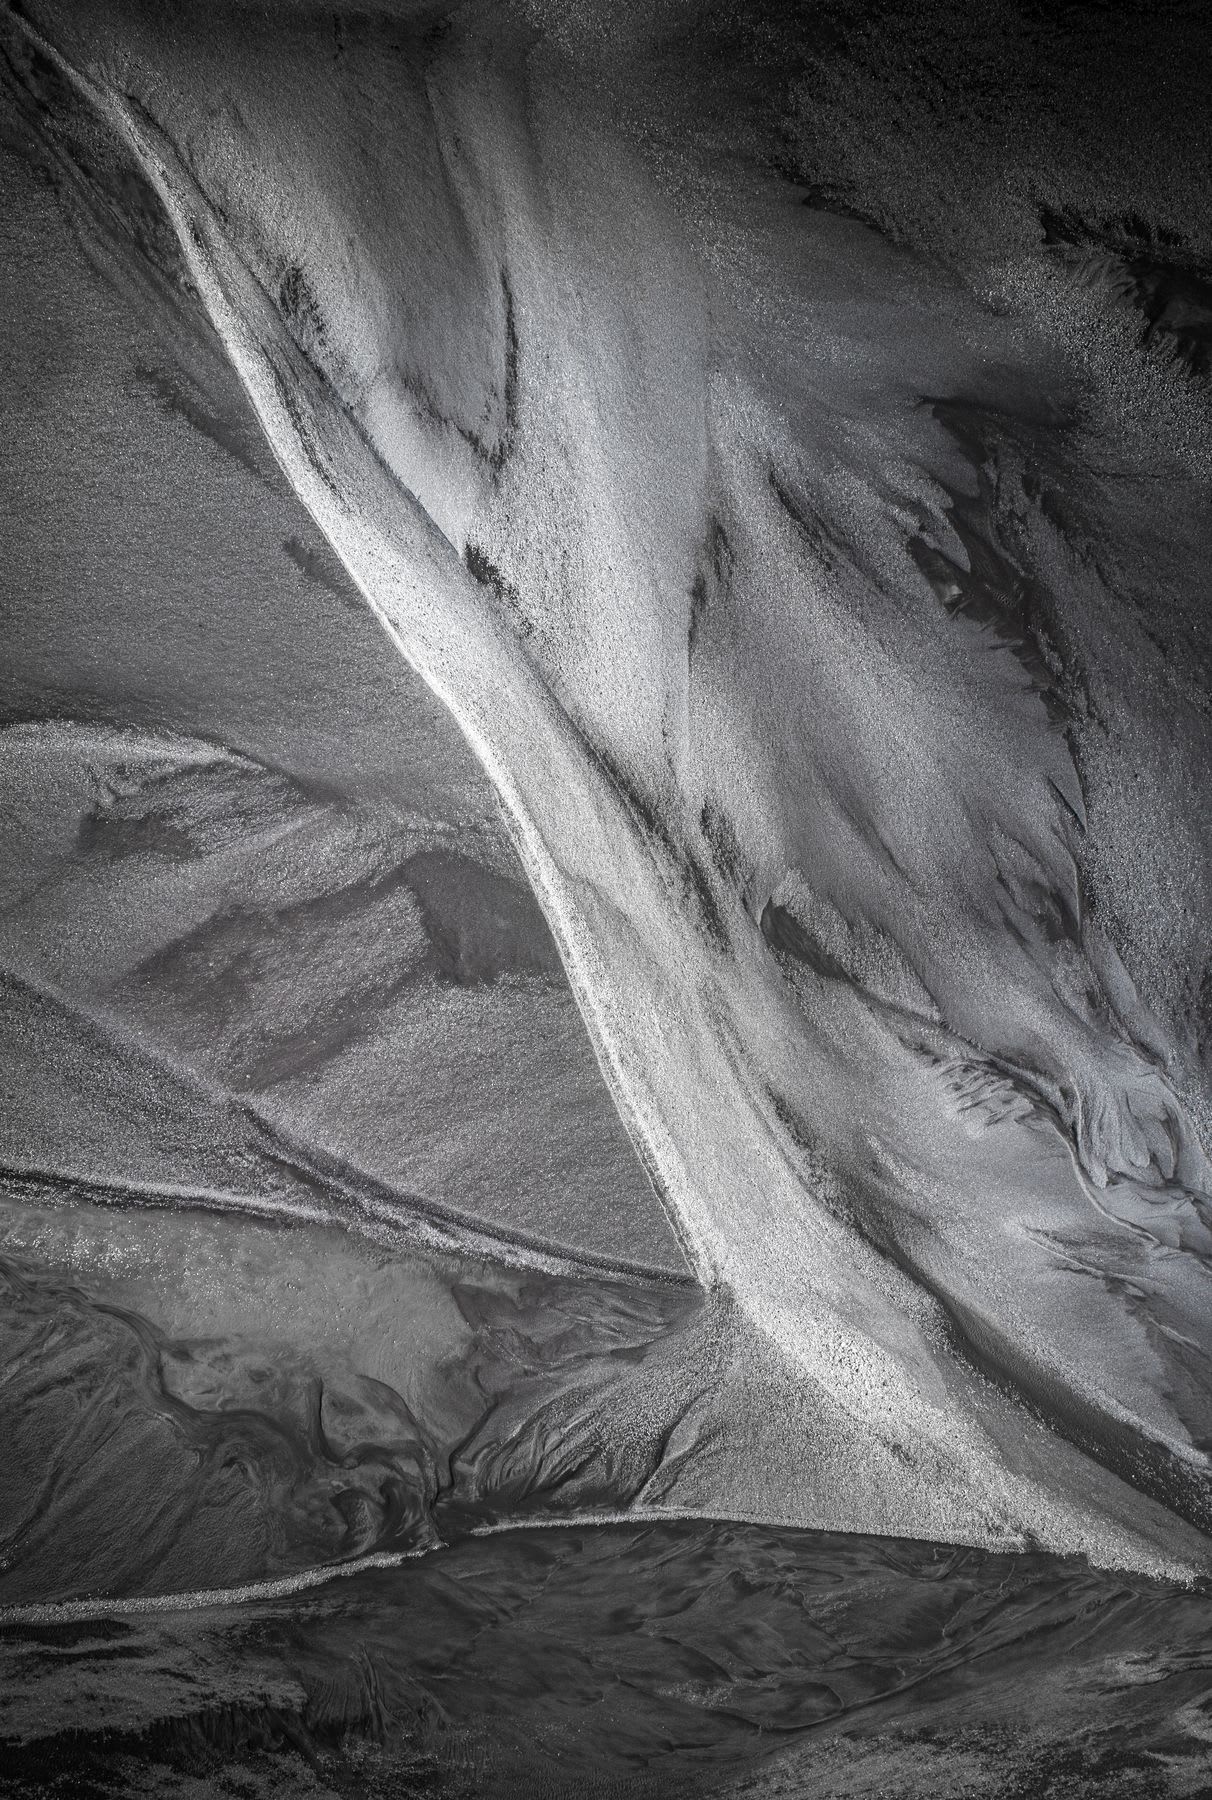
{"x":815,"y":575}
{"x":765,"y":1098}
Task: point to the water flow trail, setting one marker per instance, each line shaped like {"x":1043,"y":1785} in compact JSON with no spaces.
{"x":783,"y":1025}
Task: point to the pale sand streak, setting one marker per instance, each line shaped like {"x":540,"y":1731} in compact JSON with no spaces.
{"x":281,"y":1587}
{"x":840,"y":1317}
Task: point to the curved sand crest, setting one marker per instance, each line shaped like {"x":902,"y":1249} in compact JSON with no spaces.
{"x":806,"y":830}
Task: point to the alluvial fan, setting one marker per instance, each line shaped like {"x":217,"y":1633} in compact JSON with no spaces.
{"x":604,"y":727}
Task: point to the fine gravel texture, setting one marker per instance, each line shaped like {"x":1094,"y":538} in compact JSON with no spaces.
{"x":604,"y":895}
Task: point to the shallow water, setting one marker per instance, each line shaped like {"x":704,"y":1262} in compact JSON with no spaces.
{"x":659,"y":1658}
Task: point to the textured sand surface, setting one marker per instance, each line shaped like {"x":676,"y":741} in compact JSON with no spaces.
{"x":605,"y":871}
